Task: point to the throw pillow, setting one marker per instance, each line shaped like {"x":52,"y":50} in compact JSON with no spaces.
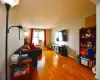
{"x":27,"y":47}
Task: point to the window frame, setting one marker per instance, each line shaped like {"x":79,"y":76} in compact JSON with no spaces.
{"x":38,"y":37}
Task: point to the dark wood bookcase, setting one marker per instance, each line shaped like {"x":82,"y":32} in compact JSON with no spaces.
{"x":87,"y":39}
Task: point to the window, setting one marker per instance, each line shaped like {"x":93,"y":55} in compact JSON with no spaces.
{"x":38,"y":35}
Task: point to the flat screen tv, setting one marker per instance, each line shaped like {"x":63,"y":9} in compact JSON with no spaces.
{"x":61,"y":35}
{"x":64,"y":35}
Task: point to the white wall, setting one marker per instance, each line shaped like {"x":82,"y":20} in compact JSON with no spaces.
{"x":73,"y":26}
{"x":14,"y":42}
{"x":98,"y":40}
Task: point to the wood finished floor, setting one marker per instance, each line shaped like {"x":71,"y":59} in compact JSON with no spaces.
{"x":56,"y":67}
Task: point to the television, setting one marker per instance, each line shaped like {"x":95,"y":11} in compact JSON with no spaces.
{"x":61,"y":35}
{"x":64,"y":35}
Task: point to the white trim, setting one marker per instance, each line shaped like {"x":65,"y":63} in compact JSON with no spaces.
{"x":97,"y":78}
{"x":71,"y":56}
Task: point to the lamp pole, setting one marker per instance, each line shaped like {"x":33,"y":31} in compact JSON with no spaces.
{"x":6,"y":40}
{"x":8,"y":4}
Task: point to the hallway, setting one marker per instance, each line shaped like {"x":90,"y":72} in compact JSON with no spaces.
{"x":56,"y":67}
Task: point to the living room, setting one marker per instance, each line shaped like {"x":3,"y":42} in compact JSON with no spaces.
{"x":40,"y":15}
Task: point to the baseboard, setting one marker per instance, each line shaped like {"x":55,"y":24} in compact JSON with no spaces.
{"x":97,"y":78}
{"x":71,"y":56}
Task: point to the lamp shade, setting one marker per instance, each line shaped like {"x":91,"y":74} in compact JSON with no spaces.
{"x":12,"y":3}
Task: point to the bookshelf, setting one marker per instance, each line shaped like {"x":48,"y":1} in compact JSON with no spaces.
{"x":87,"y":46}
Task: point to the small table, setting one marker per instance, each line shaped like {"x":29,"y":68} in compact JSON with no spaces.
{"x":21,"y":62}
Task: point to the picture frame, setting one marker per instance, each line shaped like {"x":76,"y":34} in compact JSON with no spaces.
{"x":21,"y":34}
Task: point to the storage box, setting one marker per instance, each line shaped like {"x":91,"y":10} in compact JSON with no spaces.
{"x":14,"y":58}
{"x":85,"y":61}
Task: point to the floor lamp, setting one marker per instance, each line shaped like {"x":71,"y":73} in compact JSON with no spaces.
{"x":8,"y":4}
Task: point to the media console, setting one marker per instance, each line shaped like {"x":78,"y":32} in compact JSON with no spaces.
{"x":61,"y":50}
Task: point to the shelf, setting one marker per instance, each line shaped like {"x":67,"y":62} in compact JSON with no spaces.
{"x":89,"y":42}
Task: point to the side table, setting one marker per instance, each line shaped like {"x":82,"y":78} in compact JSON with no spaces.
{"x":21,"y":62}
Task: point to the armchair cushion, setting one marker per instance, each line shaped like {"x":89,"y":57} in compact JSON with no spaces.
{"x":31,"y":52}
{"x":33,"y":47}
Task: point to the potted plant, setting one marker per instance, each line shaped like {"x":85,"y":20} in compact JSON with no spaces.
{"x":77,"y":58}
{"x":49,"y":46}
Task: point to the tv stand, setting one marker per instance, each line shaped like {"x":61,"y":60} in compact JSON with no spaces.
{"x":61,"y":50}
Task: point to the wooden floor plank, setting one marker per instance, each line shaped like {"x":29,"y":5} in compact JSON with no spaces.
{"x":56,"y":67}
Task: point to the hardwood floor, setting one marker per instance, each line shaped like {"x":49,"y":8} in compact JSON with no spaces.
{"x":56,"y":67}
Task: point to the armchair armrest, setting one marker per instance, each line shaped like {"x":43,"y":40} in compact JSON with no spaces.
{"x":33,"y":52}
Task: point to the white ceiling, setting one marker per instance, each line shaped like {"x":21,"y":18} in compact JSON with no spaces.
{"x":48,"y":13}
